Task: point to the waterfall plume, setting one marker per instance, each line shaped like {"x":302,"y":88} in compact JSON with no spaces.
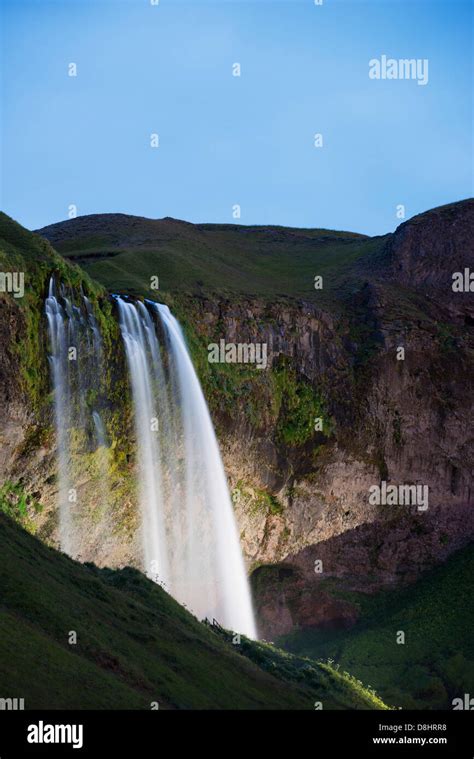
{"x":75,"y":357}
{"x":190,"y":538}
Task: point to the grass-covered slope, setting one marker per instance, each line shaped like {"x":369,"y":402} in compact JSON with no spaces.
{"x":23,"y":252}
{"x":135,"y":645}
{"x":26,"y":252}
{"x":124,"y":252}
{"x":436,"y":662}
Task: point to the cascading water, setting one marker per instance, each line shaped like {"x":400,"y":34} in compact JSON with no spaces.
{"x":99,"y":428}
{"x":190,"y":537}
{"x":212,"y":550}
{"x":57,"y":326}
{"x":75,"y":349}
{"x":133,"y":326}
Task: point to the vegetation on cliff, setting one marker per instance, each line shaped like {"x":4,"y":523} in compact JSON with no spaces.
{"x":436,"y":661}
{"x":26,"y":349}
{"x":27,"y":253}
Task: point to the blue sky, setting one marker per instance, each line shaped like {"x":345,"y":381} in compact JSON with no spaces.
{"x":226,"y":140}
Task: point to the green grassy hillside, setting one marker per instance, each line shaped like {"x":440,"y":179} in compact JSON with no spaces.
{"x":123,"y":252}
{"x":436,"y":662}
{"x":135,"y":645}
{"x":22,"y":251}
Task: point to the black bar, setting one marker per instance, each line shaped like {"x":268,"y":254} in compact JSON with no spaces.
{"x":314,"y":734}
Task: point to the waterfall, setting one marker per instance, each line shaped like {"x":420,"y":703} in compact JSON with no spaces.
{"x":57,"y":326}
{"x":99,"y":428}
{"x":209,"y":546}
{"x":134,"y":325}
{"x":76,"y":361}
{"x":190,"y":538}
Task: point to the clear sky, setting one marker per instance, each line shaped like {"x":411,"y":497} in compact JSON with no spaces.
{"x":226,"y":140}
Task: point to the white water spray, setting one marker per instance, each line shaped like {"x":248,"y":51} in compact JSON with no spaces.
{"x":133,"y":327}
{"x":59,"y":369}
{"x":213,"y":552}
{"x":99,"y":429}
{"x":75,"y":350}
{"x":190,"y":536}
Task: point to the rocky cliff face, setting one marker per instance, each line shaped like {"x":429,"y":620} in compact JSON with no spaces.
{"x":395,"y":378}
{"x":403,"y":421}
{"x":374,"y":386}
{"x":11,"y":400}
{"x":405,"y":418}
{"x":426,"y":251}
